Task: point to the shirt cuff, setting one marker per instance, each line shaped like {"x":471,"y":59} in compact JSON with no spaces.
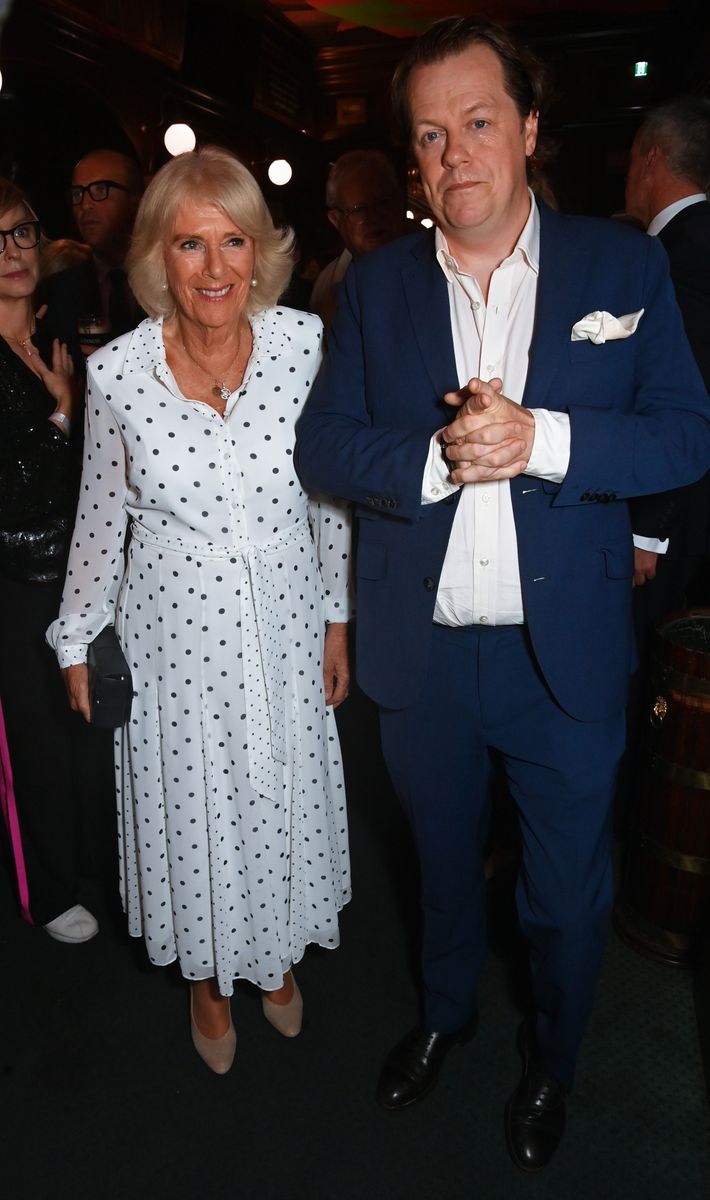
{"x":655,"y":545}
{"x":436,"y":484}
{"x":551,"y":447}
{"x":71,"y":656}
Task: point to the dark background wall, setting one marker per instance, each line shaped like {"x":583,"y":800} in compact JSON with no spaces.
{"x":82,"y":73}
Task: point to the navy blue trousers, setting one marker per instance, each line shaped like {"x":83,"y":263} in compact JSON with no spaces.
{"x":484,"y":691}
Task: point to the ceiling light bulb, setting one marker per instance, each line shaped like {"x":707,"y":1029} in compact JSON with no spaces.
{"x":280,"y":172}
{"x":179,"y":139}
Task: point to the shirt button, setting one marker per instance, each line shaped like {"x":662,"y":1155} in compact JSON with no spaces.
{"x":483,"y":562}
{"x":435,"y":491}
{"x":490,"y":367}
{"x":484,"y":620}
{"x":476,"y":305}
{"x":485,"y":497}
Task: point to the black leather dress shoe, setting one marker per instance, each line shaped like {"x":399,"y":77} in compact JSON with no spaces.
{"x":535,"y":1113}
{"x":412,"y":1068}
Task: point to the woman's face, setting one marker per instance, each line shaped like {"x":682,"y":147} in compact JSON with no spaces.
{"x":209,"y":263}
{"x":19,"y":269}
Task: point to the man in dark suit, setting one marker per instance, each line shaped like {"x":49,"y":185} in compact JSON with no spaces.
{"x":93,"y":302}
{"x":666,"y":185}
{"x":495,"y":560}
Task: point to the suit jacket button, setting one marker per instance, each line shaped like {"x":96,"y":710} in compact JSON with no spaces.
{"x":429,"y":583}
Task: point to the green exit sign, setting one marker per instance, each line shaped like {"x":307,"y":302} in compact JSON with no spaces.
{"x":640,"y":69}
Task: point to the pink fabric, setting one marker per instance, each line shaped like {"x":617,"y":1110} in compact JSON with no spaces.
{"x":12,"y":824}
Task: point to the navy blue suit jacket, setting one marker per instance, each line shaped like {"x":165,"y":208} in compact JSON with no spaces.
{"x":639,"y":424}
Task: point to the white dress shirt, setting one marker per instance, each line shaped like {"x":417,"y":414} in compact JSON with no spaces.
{"x":480,"y":580}
{"x":667,"y":214}
{"x":659,"y":222}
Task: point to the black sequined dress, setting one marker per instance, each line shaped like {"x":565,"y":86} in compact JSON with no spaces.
{"x":37,"y":477}
{"x":62,"y":771}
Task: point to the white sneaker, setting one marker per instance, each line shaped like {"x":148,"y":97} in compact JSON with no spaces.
{"x":77,"y":924}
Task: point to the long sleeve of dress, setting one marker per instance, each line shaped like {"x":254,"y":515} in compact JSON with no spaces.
{"x":331,"y":524}
{"x":96,"y":557}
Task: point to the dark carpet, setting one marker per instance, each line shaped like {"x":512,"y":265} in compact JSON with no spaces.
{"x":103,"y":1095}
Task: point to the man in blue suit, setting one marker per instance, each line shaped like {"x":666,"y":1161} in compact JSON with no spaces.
{"x":494,"y":391}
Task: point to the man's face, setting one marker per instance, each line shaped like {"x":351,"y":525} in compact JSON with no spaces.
{"x":471,"y":145}
{"x":368,"y":212}
{"x":637,"y":197}
{"x":105,"y":224}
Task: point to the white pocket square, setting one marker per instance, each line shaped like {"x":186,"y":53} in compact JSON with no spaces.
{"x":600,"y":327}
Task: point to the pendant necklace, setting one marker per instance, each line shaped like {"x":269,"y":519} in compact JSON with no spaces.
{"x":22,"y":342}
{"x":220,"y":389}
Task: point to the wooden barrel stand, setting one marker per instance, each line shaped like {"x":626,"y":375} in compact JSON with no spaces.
{"x":664,"y":906}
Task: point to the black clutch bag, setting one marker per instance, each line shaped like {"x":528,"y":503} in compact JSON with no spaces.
{"x":110,"y":683}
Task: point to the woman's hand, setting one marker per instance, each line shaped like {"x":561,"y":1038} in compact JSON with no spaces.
{"x":59,"y":379}
{"x":76,"y":681}
{"x":336,"y":669}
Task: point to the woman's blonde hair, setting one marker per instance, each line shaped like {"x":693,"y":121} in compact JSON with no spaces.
{"x":218,"y":177}
{"x":13,"y":197}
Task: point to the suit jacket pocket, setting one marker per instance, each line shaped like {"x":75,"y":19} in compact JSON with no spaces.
{"x":586,"y":354}
{"x":371,"y":560}
{"x":619,"y":560}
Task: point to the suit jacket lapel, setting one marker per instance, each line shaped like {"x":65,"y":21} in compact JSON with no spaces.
{"x":563,"y":267}
{"x":428,"y":302}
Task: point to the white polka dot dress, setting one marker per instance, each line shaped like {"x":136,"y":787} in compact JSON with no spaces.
{"x":231,"y":804}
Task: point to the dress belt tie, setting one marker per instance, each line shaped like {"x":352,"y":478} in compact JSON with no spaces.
{"x":265,"y":645}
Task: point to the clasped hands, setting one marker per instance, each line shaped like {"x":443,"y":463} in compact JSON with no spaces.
{"x":491,"y":437}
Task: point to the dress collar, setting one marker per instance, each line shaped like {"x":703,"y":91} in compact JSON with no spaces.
{"x":145,"y":351}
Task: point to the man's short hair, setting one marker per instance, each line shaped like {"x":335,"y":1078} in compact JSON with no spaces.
{"x":131,"y":166}
{"x":681,"y":129}
{"x":525,"y":78}
{"x":351,"y":163}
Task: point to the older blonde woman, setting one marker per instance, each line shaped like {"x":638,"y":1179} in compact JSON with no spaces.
{"x":231,"y":608}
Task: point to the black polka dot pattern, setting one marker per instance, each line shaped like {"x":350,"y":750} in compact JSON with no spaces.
{"x":231,"y":804}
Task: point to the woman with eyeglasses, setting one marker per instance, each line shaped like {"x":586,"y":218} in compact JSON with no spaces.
{"x":38,"y":487}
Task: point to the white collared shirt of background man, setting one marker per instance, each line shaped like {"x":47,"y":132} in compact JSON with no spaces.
{"x":667,"y":214}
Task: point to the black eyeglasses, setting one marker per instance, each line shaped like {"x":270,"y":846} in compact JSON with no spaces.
{"x":357,"y":213}
{"x":25,"y":236}
{"x":98,"y":189}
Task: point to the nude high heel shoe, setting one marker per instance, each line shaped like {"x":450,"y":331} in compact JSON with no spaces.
{"x":217,"y":1053}
{"x":287,"y":1018}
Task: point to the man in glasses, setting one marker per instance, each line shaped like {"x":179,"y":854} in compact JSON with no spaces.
{"x":365,"y":204}
{"x":94,"y":299}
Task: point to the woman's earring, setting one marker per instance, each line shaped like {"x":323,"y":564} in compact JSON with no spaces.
{"x":253,"y":281}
